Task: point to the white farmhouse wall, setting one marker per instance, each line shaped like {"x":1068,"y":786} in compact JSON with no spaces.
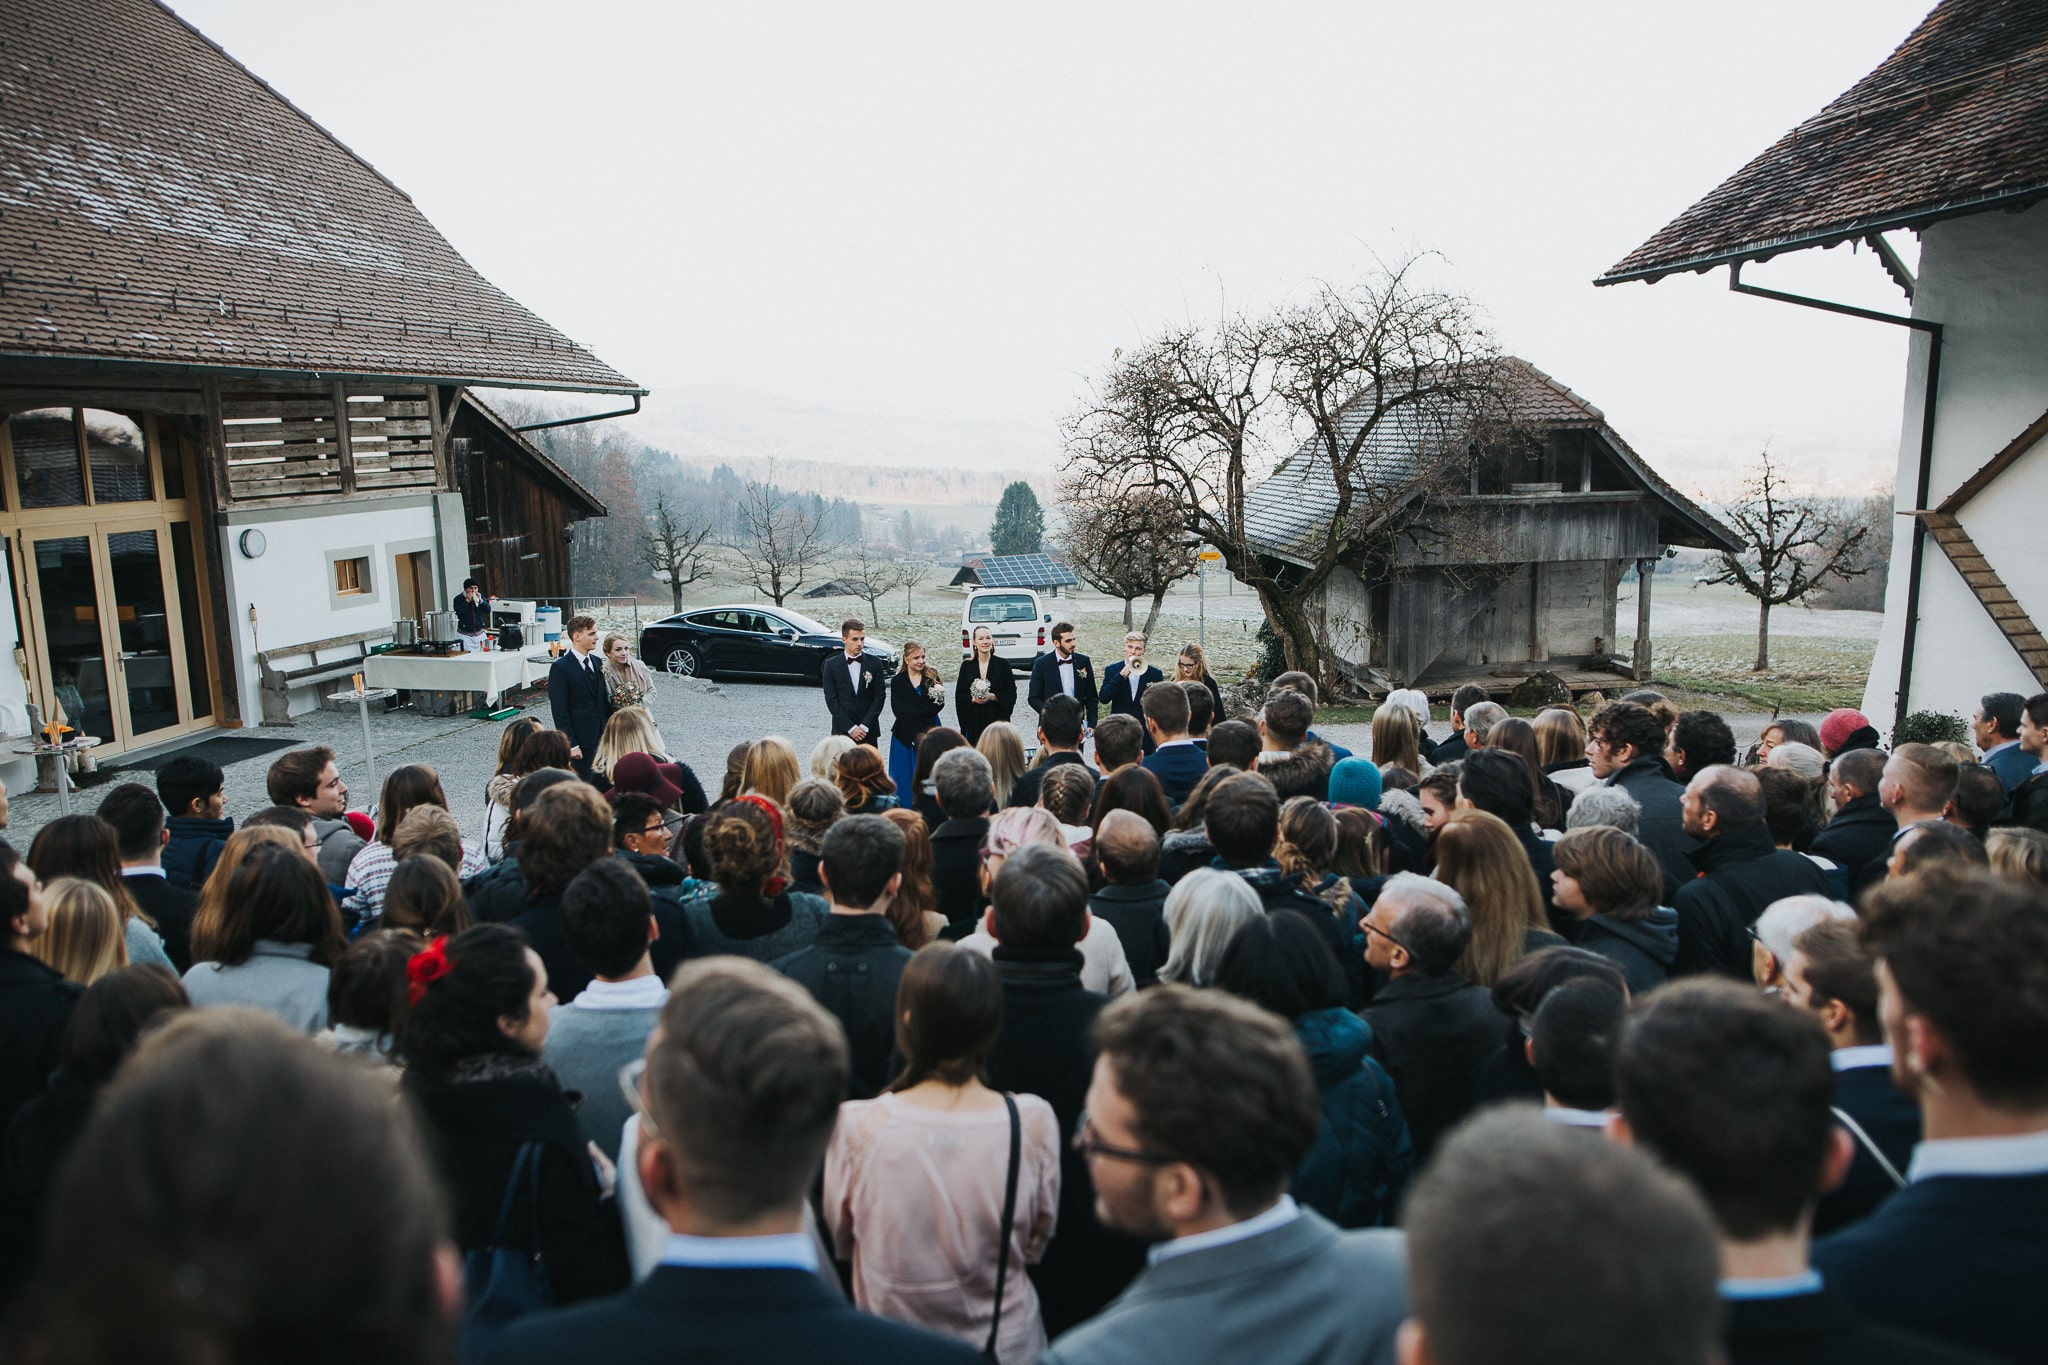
{"x":290,"y":587}
{"x":1985,"y":278}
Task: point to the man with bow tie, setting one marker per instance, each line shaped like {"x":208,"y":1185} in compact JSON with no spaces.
{"x":853,"y":687}
{"x":1062,"y":671}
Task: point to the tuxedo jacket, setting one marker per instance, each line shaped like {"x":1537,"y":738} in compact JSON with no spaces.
{"x":578,"y":702}
{"x":690,"y":1315}
{"x":1045,"y":682}
{"x":849,"y":707}
{"x":1123,"y":693}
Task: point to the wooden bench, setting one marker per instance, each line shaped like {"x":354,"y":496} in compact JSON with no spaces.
{"x":278,"y":682}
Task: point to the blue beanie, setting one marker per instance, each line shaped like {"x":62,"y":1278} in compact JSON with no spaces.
{"x":1355,"y":782}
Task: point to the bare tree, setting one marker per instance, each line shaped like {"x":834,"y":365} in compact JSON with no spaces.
{"x":1797,"y":545}
{"x":1199,"y":416}
{"x":1128,"y":547}
{"x":778,"y":537}
{"x":911,"y":571}
{"x":677,"y":542}
{"x":869,"y":573}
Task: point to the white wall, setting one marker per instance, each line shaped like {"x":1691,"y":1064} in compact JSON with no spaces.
{"x":1985,"y":278}
{"x":290,"y":586}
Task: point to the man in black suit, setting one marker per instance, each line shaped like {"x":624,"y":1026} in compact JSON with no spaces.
{"x":1858,"y":839}
{"x":853,"y":689}
{"x":1830,"y":975}
{"x":1124,"y":683}
{"x":1061,"y":670}
{"x":744,"y":1077}
{"x":1059,"y":741}
{"x":138,"y":820}
{"x":1963,"y":992}
{"x":1731,"y":1091}
{"x":578,"y":700}
{"x":1457,"y":746}
{"x":966,"y":790}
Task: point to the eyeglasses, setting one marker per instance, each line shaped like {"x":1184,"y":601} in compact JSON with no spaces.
{"x":1087,"y":1144}
{"x":1371,"y":928}
{"x":636,"y":1099}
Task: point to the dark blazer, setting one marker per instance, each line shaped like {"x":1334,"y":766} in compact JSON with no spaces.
{"x":579,"y":705}
{"x":852,"y":968}
{"x":2027,"y":805}
{"x":1434,"y":1034}
{"x":956,"y":870}
{"x":700,"y":1315}
{"x":1857,"y":840}
{"x":1822,"y":1329}
{"x":1179,"y":767}
{"x":1958,"y":1258}
{"x":1045,"y":682}
{"x":915,"y":709}
{"x":1867,"y":1095}
{"x":848,"y":707}
{"x":2013,"y":767}
{"x":1741,"y":873}
{"x":172,"y":907}
{"x":1123,"y":697}
{"x":1046,"y":1047}
{"x":974,"y":716}
{"x":35,"y":1005}
{"x":1137,"y":913}
{"x":1661,"y":827}
{"x":1024,"y":792}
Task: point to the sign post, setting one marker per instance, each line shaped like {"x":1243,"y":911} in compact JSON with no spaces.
{"x":1202,"y":563}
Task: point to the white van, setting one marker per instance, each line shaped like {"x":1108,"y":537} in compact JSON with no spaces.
{"x":1015,"y":616}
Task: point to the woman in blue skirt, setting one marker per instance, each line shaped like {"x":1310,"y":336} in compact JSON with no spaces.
{"x":917,"y":694}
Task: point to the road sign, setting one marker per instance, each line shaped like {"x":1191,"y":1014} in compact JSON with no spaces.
{"x":1210,"y":556}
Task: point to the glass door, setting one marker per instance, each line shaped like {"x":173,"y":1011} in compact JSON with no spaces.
{"x":145,"y":676}
{"x":113,"y":645}
{"x":67,"y":589}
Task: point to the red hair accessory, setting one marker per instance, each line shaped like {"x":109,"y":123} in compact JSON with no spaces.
{"x":424,"y":968}
{"x":778,"y":883}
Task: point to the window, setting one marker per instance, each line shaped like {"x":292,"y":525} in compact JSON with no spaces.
{"x":1001,"y":610}
{"x":351,"y":577}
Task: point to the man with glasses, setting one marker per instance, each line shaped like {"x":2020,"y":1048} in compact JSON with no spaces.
{"x":643,"y":836}
{"x":1201,"y":1108}
{"x":741,"y":1087}
{"x":1432,"y":1029}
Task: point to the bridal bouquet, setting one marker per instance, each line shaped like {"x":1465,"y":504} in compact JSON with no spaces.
{"x":979,"y":690}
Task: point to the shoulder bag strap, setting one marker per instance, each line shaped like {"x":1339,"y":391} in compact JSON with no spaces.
{"x":527,"y":1153}
{"x":995,"y":1325}
{"x":1865,"y":1141}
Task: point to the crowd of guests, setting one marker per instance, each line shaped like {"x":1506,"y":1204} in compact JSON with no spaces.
{"x":1156,"y":1035}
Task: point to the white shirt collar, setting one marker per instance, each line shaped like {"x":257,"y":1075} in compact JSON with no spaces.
{"x":1776,"y":1287}
{"x":155,"y":870}
{"x":1577,"y":1118}
{"x":1170,"y":743}
{"x":2001,"y":748}
{"x":1279,"y":1216}
{"x":640,"y":993}
{"x":2025,"y":1154}
{"x":778,"y":1251}
{"x":1856,"y":1058}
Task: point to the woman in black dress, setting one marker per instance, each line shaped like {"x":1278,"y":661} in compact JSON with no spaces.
{"x":1193,"y":666}
{"x":917,"y":694}
{"x":986,"y":690}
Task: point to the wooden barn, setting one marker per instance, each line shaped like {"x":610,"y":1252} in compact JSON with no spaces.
{"x":1563,"y":510}
{"x":517,"y":503}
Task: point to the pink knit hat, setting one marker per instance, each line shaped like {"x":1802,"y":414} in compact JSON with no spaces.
{"x":1839,"y":725}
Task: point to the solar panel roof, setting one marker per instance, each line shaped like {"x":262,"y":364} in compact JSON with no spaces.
{"x":1023,"y":571}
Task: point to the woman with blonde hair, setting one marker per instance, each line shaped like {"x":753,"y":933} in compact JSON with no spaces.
{"x":863,"y":781}
{"x":1003,"y":747}
{"x":627,"y":681}
{"x":2019,"y":853}
{"x":1480,"y":858}
{"x":914,"y":909}
{"x":629,"y":731}
{"x":1068,"y":792}
{"x":917,"y":694}
{"x":1206,"y":909}
{"x":86,"y":938}
{"x":86,"y":847}
{"x":770,"y":769}
{"x":986,"y":692}
{"x":1394,"y":741}
{"x":1561,"y":748}
{"x":1104,"y":966}
{"x":1192,"y":665}
{"x":825,"y":755}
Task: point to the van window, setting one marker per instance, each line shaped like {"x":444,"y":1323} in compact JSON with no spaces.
{"x":995,"y":609}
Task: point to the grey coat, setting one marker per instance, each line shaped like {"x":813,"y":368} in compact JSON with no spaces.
{"x":278,"y":978}
{"x":339,"y":844}
{"x":1303,"y":1292}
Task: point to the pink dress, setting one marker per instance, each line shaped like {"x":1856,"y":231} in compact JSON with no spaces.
{"x":913,"y":1198}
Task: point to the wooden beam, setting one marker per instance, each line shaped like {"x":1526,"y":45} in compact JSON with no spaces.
{"x":1646,"y":573}
{"x":1997,"y":465}
{"x":439,"y":417}
{"x":209,"y":499}
{"x":344,"y":445}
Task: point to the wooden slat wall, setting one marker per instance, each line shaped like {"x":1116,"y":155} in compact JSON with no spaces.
{"x":516,"y":547}
{"x":289,"y":443}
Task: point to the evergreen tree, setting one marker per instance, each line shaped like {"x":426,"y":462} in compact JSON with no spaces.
{"x":1019,"y":527}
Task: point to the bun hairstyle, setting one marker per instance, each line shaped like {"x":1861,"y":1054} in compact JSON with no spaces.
{"x":456,"y":1003}
{"x":743,"y":843}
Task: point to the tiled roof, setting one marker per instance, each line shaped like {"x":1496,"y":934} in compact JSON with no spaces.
{"x":1297,"y":502}
{"x":160,"y":203}
{"x":1954,"y":122}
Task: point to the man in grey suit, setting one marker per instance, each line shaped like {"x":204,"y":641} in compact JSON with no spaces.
{"x":1201,"y":1108}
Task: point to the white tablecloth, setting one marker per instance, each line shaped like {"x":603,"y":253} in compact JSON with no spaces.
{"x":492,"y":673}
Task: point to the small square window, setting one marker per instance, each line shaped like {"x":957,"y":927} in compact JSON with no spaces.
{"x":351,"y":577}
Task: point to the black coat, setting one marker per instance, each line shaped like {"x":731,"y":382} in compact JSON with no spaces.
{"x":1278,"y":891}
{"x":172,"y":907}
{"x":1126,"y":696}
{"x":848,"y":707}
{"x":497,"y":895}
{"x":1182,"y":851}
{"x":1046,"y":1047}
{"x":956,"y":870}
{"x":852,"y":969}
{"x":35,"y":1005}
{"x":1867,"y":1095}
{"x":1661,"y":827}
{"x":1741,"y":873}
{"x":1822,"y":1329}
{"x":1434,"y":1034}
{"x":1137,"y":913}
{"x":913,"y":709}
{"x":1024,"y":792}
{"x":2027,"y":805}
{"x":196,"y":845}
{"x":696,"y":1315}
{"x":579,"y":705}
{"x":475,"y":1126}
{"x":540,"y":919}
{"x":1643,"y":948}
{"x":972,"y":716}
{"x":1045,"y":682}
{"x":1858,"y":840}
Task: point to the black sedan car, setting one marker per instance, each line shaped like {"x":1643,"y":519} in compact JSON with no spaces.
{"x":750,"y":640}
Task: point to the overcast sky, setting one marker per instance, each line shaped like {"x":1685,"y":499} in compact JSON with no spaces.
{"x":790,"y":220}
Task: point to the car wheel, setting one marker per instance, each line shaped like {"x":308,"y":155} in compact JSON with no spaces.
{"x":687,"y":663}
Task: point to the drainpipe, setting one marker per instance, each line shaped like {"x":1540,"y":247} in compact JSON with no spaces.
{"x":588,"y":417}
{"x":1917,"y":554}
